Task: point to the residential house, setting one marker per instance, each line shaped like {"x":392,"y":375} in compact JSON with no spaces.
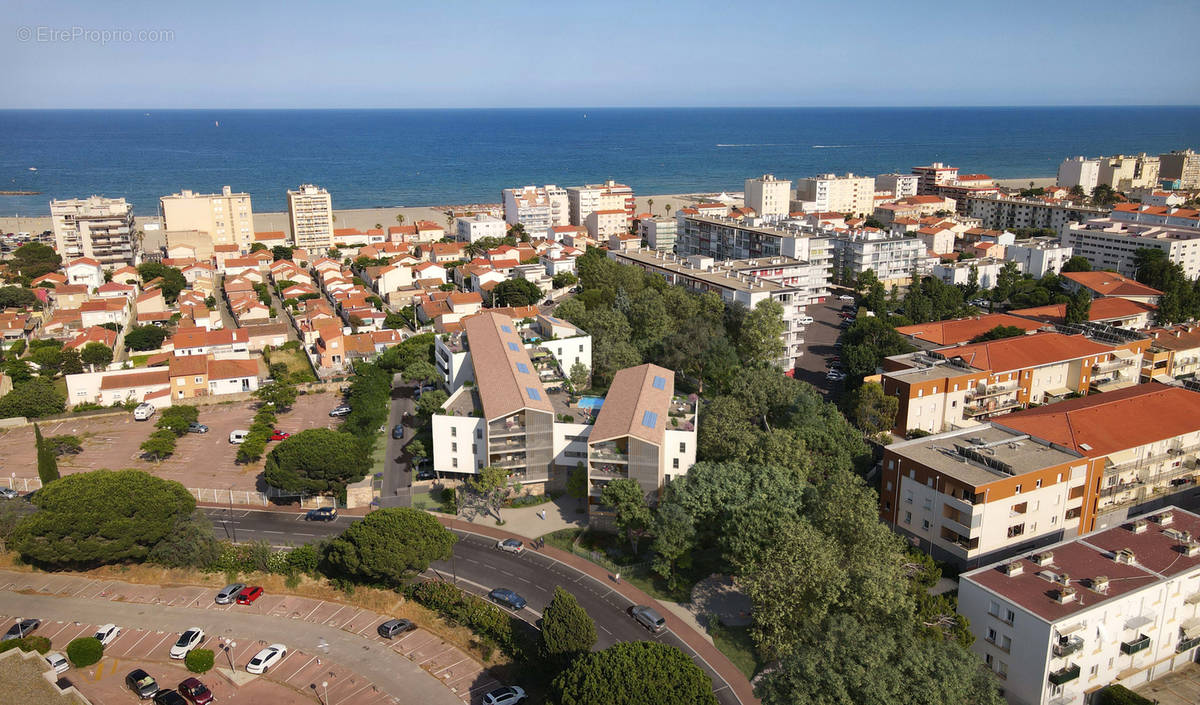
{"x":1110,"y":284}
{"x":86,"y":271}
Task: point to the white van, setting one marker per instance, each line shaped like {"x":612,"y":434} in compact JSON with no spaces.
{"x":805,"y":320}
{"x":238,"y":436}
{"x":143,"y":412}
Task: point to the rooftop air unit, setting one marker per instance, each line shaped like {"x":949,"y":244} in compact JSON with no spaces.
{"x":1043,"y":558}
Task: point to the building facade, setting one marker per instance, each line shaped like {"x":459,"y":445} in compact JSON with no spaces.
{"x":1113,"y":244}
{"x":659,"y":233}
{"x":536,"y":208}
{"x":1039,"y":256}
{"x":475,"y":227}
{"x":901,"y":185}
{"x":227,"y":217}
{"x":768,"y":196}
{"x":310,"y":210}
{"x":96,"y":227}
{"x":1182,"y":166}
{"x":584,"y":200}
{"x":842,"y":194}
{"x":725,"y":238}
{"x":933,"y":175}
{"x":893,"y":258}
{"x":1003,"y":213}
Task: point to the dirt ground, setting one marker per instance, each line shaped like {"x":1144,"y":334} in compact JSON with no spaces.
{"x":205,"y":461}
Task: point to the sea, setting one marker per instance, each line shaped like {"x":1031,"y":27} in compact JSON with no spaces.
{"x":383,"y":158}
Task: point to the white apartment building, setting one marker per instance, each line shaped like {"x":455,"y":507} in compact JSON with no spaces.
{"x":96,"y":227}
{"x":1124,"y":173}
{"x":1117,"y":606}
{"x":1078,"y":171}
{"x":536,"y":208}
{"x":659,"y":233}
{"x":986,"y":268}
{"x":1039,"y":256}
{"x":933,"y":175}
{"x":842,"y":194}
{"x":601,"y":225}
{"x":608,"y":196}
{"x":1004,"y":213}
{"x":310,"y":209}
{"x":768,"y":196}
{"x":568,"y":345}
{"x":227,"y":218}
{"x":474,"y":227}
{"x":1111,"y":244}
{"x":892,"y":258}
{"x":724,"y":238}
{"x":1156,"y":215}
{"x":901,"y":185}
{"x":1182,"y":166}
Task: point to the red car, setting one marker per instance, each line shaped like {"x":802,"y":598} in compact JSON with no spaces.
{"x":196,"y":692}
{"x":249,"y":594}
{"x":279,"y":435}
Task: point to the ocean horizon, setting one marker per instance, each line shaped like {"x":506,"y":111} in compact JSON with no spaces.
{"x":371,"y":158}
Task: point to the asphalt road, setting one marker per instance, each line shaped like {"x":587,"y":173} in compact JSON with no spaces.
{"x":820,"y":339}
{"x":478,"y":567}
{"x":396,"y":487}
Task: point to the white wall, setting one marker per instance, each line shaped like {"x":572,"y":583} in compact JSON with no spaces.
{"x":458,"y":445}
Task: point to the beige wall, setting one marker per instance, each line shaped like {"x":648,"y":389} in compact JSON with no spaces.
{"x":227,"y":217}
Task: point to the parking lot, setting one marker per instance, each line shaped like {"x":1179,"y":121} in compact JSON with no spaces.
{"x":1181,"y":687}
{"x":820,"y":339}
{"x":200,"y":460}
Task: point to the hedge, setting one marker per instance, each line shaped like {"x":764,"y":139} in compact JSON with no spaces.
{"x":39,"y":644}
{"x":482,"y":617}
{"x":199,"y":660}
{"x":85,"y":651}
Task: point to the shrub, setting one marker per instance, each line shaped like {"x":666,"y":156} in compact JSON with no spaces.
{"x":65,"y":445}
{"x":85,"y":651}
{"x":1120,"y":695}
{"x":199,"y":660}
{"x":304,"y":559}
{"x":39,"y":644}
{"x":483,"y":618}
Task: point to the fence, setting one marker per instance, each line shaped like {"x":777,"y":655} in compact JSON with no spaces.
{"x":259,"y":499}
{"x":23,"y":484}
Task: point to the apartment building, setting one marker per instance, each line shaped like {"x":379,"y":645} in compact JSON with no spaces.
{"x":1180,"y":166}
{"x":725,"y":238}
{"x":893,"y":258}
{"x":584,"y":200}
{"x":1108,"y":243}
{"x":1110,"y":311}
{"x":1103,"y":284}
{"x":604,"y":224}
{"x":963,"y":330}
{"x":1078,"y":171}
{"x":227,"y":218}
{"x":1039,"y":256}
{"x":310,"y":209}
{"x":1118,"y":606}
{"x":986,"y":269}
{"x":1174,"y":352}
{"x":98,"y":228}
{"x":476,"y":227}
{"x":1006,"y":213}
{"x":566,"y":343}
{"x":958,"y":386}
{"x":536,"y":208}
{"x":842,"y":194}
{"x":914,"y":208}
{"x":768,"y":196}
{"x":900,"y":185}
{"x":793,"y":283}
{"x":1156,"y":215}
{"x":659,"y":233}
{"x":935,"y":174}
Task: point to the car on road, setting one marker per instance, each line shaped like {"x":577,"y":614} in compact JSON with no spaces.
{"x":510,"y":546}
{"x":398,"y":431}
{"x":169,"y":697}
{"x":340,"y":410}
{"x":142,"y":684}
{"x":426,"y":475}
{"x":107,"y":633}
{"x":23,"y":628}
{"x":805,"y":320}
{"x":8,"y":493}
{"x":266,"y":658}
{"x":188,"y":640}
{"x":195,"y":692}
{"x":238,"y":436}
{"x":278,"y":435}
{"x":504,"y":695}
{"x":321,"y":514}
{"x":249,"y":595}
{"x":508,"y":598}
{"x":143,"y":412}
{"x":194,"y":427}
{"x":392,"y":627}
{"x":835,"y":376}
{"x":229,"y":593}
{"x":845,"y":297}
{"x":648,"y":617}
{"x":58,"y":662}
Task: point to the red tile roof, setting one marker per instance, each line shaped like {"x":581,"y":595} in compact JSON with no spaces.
{"x":1026,"y":351}
{"x":1111,"y":284}
{"x":962,"y":330}
{"x":1101,"y":310}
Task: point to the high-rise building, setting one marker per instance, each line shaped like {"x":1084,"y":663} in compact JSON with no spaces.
{"x":227,"y":217}
{"x":584,"y":200}
{"x":840,"y":194}
{"x":768,"y":196}
{"x":96,"y":227}
{"x":536,"y":208}
{"x":901,"y":185}
{"x":311,"y":211}
{"x":1182,"y":166}
{"x":1081,"y":172}
{"x":935,"y":174}
{"x":659,"y":233}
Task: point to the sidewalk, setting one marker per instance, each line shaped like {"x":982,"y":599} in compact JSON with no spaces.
{"x":527,"y":522}
{"x":696,"y":641}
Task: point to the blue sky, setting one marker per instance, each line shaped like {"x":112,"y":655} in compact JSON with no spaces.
{"x":518,"y":53}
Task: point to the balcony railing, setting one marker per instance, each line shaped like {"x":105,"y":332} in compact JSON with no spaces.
{"x":996,"y":390}
{"x":1139,"y":644}
{"x":1114,"y":364}
{"x":1065,"y":675}
{"x":505,"y":428}
{"x":1068,"y":646}
{"x":608,"y":470}
{"x":980,"y":409}
{"x":609,"y":454}
{"x":1186,"y":644}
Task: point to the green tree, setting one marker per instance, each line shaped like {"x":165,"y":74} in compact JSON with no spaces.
{"x":145,"y":338}
{"x":760,"y":341}
{"x":279,"y":252}
{"x":568,"y":631}
{"x":389,"y":546}
{"x":627,"y":499}
{"x":633,"y":673}
{"x":874,"y":411}
{"x":177,"y":418}
{"x":998,"y":333}
{"x":172,"y":282}
{"x":99,"y":517}
{"x":16,"y":297}
{"x":32,"y":399}
{"x":85,"y":651}
{"x":1104,"y":195}
{"x":488,"y":488}
{"x":160,"y":444}
{"x":279,"y":394}
{"x":96,"y":355}
{"x":48,"y":359}
{"x":199,"y":660}
{"x":1077,"y":263}
{"x":317,"y":460}
{"x":64,"y":445}
{"x":866,"y":342}
{"x":516,"y":292}
{"x":577,"y":482}
{"x":564,"y":279}
{"x":1079,"y":307}
{"x":421,"y":371}
{"x":401,"y":355}
{"x":33,"y":259}
{"x":258,"y":247}
{"x":431,"y":402}
{"x":865,"y":281}
{"x":189,"y":544}
{"x":674,"y":540}
{"x":578,"y":375}
{"x":47,"y":461}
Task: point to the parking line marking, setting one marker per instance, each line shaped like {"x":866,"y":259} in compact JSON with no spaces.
{"x":330,"y":618}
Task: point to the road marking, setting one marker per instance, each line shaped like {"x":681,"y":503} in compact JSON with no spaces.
{"x":314,"y":611}
{"x":330,"y":618}
{"x":598,"y":624}
{"x":85,"y":587}
{"x":131,"y":648}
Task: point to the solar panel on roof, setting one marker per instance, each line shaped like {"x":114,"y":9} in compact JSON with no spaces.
{"x":649,"y":419}
{"x":506,"y":329}
{"x":513,"y":347}
{"x":523,"y":368}
{"x":533,"y":394}
{"x":660,"y":382}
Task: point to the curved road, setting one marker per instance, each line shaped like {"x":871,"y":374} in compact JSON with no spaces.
{"x":478,"y":567}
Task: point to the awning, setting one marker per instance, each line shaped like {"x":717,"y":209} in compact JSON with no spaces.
{"x":1163,"y":378}
{"x":1059,"y":391}
{"x":1123,"y":354}
{"x":1070,"y":629}
{"x":1138,"y":622}
{"x":1190,"y":628}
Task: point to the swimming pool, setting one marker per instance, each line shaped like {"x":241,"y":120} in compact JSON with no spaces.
{"x":591,"y":402}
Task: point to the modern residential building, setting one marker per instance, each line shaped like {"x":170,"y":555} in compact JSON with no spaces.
{"x":963,"y":330}
{"x":914,"y":208}
{"x":793,"y":283}
{"x":1039,"y":256}
{"x":1174,"y":352}
{"x":1110,"y":284}
{"x":725,"y":238}
{"x":1078,"y":171}
{"x":901,"y":185}
{"x":584,"y":200}
{"x":1180,"y":166}
{"x":96,"y":227}
{"x":227,"y":218}
{"x":310,"y":209}
{"x":893,"y":258}
{"x":1110,"y":311}
{"x":603,"y":224}
{"x":842,"y":194}
{"x":1170,"y":216}
{"x":1124,"y":173}
{"x":1111,"y":244}
{"x":536,"y":208}
{"x":985,"y":269}
{"x":475,"y":227}
{"x":768,"y":196}
{"x":1005,"y":213}
{"x":659,"y":233}
{"x":935,"y":174}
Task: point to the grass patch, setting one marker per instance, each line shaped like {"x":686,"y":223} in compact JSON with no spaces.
{"x":297,"y":364}
{"x":60,"y":386}
{"x":613,"y":554}
{"x":736,"y":644}
{"x":432,"y":500}
{"x":138,"y":360}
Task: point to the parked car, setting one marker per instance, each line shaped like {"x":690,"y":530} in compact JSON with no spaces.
{"x":194,"y":427}
{"x":510,"y":546}
{"x":392,"y":627}
{"x":188,"y":640}
{"x":845,"y":297}
{"x":195,"y":692}
{"x":266,"y":658}
{"x":142,"y":684}
{"x":229,"y":593}
{"x":107,"y":633}
{"x":143,"y":412}
{"x":505,"y":695}
{"x":340,"y":410}
{"x":23,"y":628}
{"x":398,"y":431}
{"x":321,"y":514}
{"x":249,"y":595}
{"x":9,"y":493}
{"x":278,"y":435}
{"x":58,"y":662}
{"x":648,"y":618}
{"x":238,"y":436}
{"x":169,"y":697}
{"x":426,"y":475}
{"x":508,"y":598}
{"x":835,"y":376}
{"x":806,"y":320}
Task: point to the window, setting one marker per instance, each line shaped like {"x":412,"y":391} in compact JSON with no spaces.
{"x":1017,"y":489}
{"x":453,"y":447}
{"x":682,"y":447}
{"x":1009,"y":616}
{"x":659,"y":382}
{"x":522,"y":368}
{"x":474,"y":448}
{"x":649,"y":419}
{"x":908,"y":496}
{"x":675,"y":463}
{"x":1037,"y":484}
{"x":454,"y":462}
{"x":479,"y":433}
{"x":580,"y":348}
{"x":889,"y":486}
{"x":199,"y":380}
{"x":991,"y":635}
{"x":453,"y":432}
{"x":908,"y":517}
{"x":1016,"y":530}
{"x":924,"y":523}
{"x":513,"y":347}
{"x":534,"y":394}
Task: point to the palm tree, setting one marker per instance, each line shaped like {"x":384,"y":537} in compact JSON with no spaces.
{"x":449,"y":221}
{"x":379,"y":226}
{"x":650,"y":205}
{"x":400,"y":219}
{"x":668,"y":210}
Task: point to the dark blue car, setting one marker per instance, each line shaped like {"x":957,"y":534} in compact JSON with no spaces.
{"x":508,"y":598}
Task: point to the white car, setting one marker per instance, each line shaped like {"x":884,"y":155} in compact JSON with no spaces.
{"x":504,"y":695}
{"x":143,"y":412}
{"x":187,"y":641}
{"x":845,"y":297}
{"x":805,"y":320}
{"x":58,"y":662}
{"x":835,"y":376}
{"x":266,"y":658}
{"x":510,"y":546}
{"x":107,"y":633}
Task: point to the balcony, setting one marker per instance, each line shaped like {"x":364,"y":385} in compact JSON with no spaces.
{"x":1112,"y":365}
{"x":505,"y":428}
{"x":1067,"y":646}
{"x":510,"y":463}
{"x":1141,"y":643}
{"x":996,"y":390}
{"x":1186,"y":644}
{"x":601,"y":453}
{"x":1065,"y":675}
{"x":990,"y":408}
{"x":605,"y":470}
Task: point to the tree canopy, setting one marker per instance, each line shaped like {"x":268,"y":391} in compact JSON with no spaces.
{"x":145,"y":338}
{"x":516,"y":292}
{"x":16,"y":297}
{"x":318,"y":460}
{"x":633,"y":673}
{"x":567,"y":630}
{"x":172,"y":283}
{"x":32,"y":399}
{"x":389,"y":546}
{"x":33,"y":259}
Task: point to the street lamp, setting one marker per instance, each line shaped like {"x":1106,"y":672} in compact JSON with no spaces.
{"x":325,"y":689}
{"x":228,"y":647}
{"x":231,"y":526}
